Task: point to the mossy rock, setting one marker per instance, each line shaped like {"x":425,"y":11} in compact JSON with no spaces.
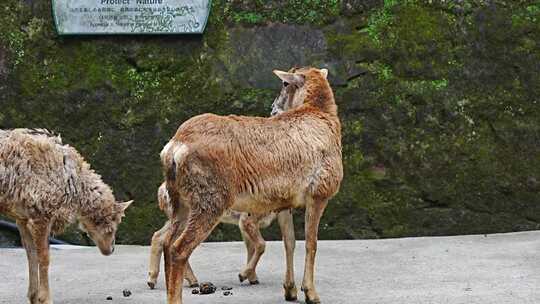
{"x":438,"y":102}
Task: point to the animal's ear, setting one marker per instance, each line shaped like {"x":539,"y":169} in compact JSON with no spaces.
{"x":121,"y":207}
{"x":290,"y":77}
{"x":324,"y":72}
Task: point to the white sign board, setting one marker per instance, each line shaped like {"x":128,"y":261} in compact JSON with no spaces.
{"x":102,"y":17}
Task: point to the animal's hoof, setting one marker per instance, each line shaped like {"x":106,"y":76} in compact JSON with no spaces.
{"x":152,"y":285}
{"x":290,"y":298}
{"x":44,"y":300}
{"x":194,"y":285}
{"x":290,"y":293}
{"x":311,"y":296}
{"x":249,"y":275}
{"x":33,"y":297}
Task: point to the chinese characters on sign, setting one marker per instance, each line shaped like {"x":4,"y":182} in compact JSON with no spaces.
{"x":74,"y":17}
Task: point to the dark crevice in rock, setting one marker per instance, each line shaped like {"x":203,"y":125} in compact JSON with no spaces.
{"x":530,"y":219}
{"x":475,"y":210}
{"x":353,"y":77}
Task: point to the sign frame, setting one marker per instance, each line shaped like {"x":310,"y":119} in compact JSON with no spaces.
{"x":53,"y":2}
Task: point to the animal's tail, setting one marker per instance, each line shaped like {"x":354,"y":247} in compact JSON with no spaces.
{"x":168,"y":162}
{"x":172,"y":156}
{"x":163,"y":197}
{"x":164,"y":200}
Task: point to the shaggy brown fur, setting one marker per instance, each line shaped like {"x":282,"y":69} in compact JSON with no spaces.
{"x":45,"y":185}
{"x":249,"y":227}
{"x":256,"y":165}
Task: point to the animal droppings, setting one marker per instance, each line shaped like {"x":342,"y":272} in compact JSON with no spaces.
{"x":109,"y":298}
{"x":226,"y":288}
{"x":126,"y":292}
{"x":207,"y":288}
{"x":195,"y":291}
{"x":227,"y":293}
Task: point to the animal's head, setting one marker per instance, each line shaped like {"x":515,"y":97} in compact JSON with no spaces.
{"x":101,"y":221}
{"x":295,"y":85}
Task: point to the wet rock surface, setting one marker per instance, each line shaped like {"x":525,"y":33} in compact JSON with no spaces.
{"x":442,"y":93}
{"x":269,"y":47}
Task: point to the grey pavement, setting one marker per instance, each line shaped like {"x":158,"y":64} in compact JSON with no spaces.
{"x":499,"y":268}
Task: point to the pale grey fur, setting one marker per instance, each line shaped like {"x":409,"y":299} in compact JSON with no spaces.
{"x":40,"y":177}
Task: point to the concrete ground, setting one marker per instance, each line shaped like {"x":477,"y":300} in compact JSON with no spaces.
{"x":501,"y":268}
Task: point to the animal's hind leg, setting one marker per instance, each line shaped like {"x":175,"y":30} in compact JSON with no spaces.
{"x":169,"y":239}
{"x":156,"y":249}
{"x":190,"y":277}
{"x":249,"y":225}
{"x":286,"y":225}
{"x":200,"y":225}
{"x":314,"y":211}
{"x":31,"y":254}
{"x":177,"y":224}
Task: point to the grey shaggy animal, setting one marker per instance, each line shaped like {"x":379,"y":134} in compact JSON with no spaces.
{"x":45,"y":185}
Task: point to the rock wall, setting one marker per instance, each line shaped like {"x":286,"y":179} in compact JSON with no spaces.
{"x":439,"y":103}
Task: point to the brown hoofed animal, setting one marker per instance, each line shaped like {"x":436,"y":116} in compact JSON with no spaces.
{"x":249,"y":227}
{"x":256,"y":165}
{"x":45,"y":185}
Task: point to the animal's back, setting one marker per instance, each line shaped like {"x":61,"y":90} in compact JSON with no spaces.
{"x":34,"y":169}
{"x":274,"y":160}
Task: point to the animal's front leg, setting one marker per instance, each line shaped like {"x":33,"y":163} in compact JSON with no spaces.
{"x":40,"y":233}
{"x":314,"y":211}
{"x":31,"y":254}
{"x":286,"y":226}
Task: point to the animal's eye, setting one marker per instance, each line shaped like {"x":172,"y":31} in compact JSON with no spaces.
{"x":285,"y":83}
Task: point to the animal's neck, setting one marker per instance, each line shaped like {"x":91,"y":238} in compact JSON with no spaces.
{"x":91,"y":205}
{"x":322,"y":97}
{"x":92,"y":202}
